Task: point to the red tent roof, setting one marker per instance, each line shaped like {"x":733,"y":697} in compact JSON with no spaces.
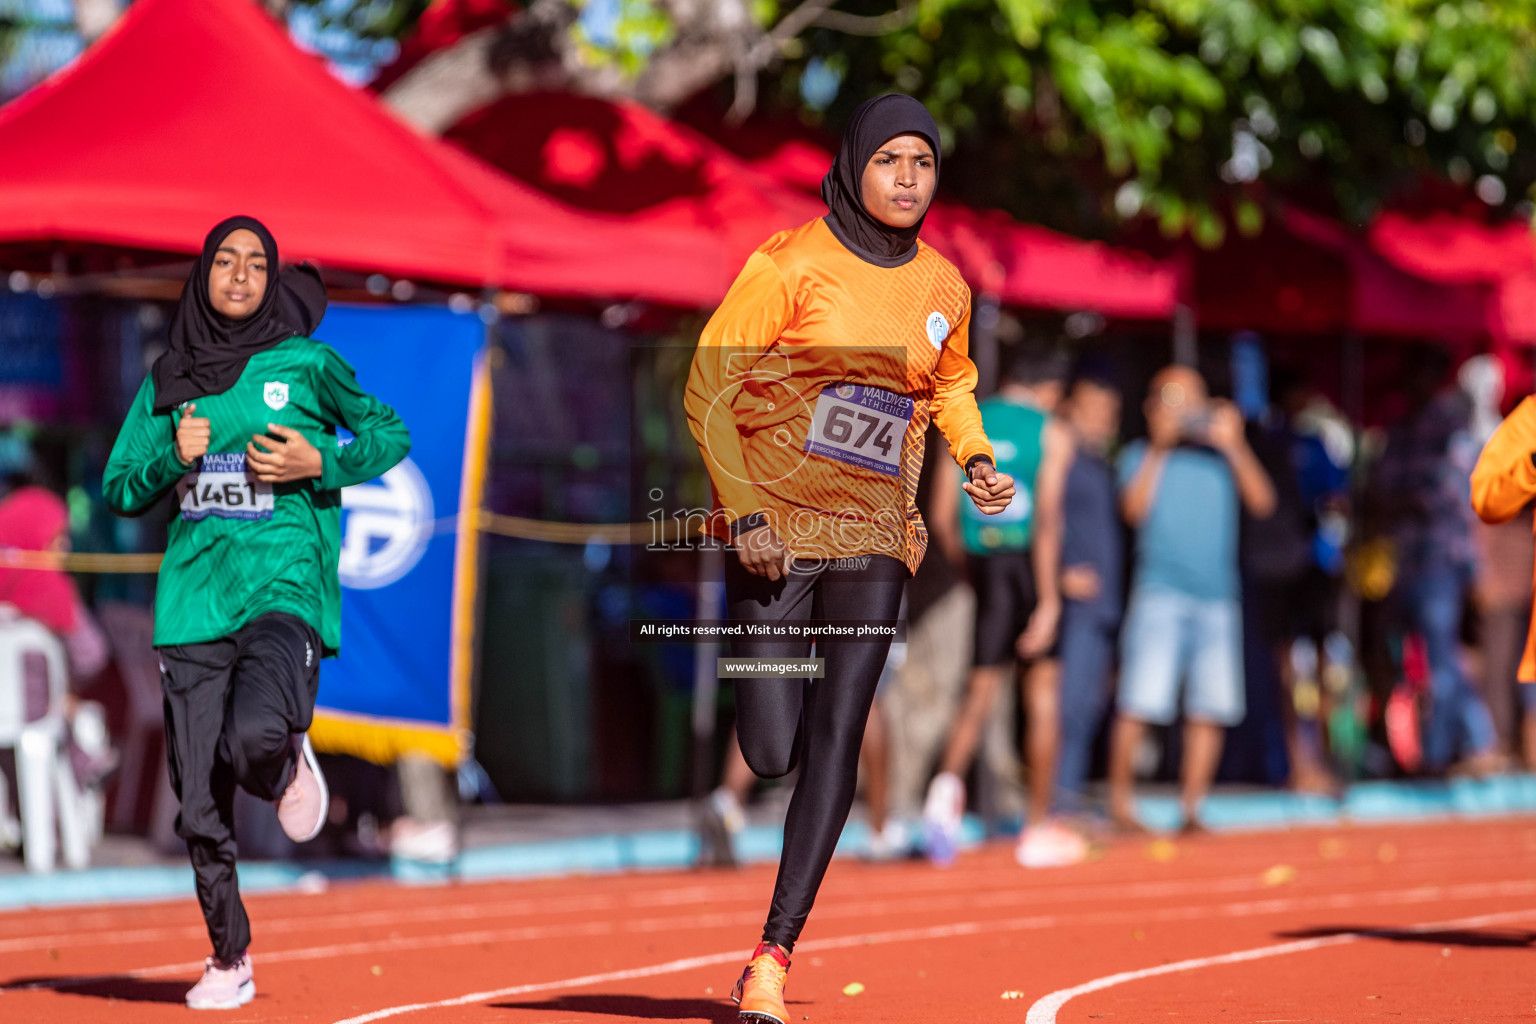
{"x":622,"y":159}
{"x":1457,"y":250}
{"x":1454,"y":249}
{"x":190,"y":110}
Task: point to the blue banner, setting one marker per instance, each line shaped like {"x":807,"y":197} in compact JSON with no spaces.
{"x":407,"y":569}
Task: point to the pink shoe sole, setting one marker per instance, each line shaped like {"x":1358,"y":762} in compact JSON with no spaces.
{"x":308,"y":763}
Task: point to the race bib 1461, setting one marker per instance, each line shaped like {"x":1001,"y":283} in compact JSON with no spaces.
{"x":218,"y":486}
{"x":860,"y":425}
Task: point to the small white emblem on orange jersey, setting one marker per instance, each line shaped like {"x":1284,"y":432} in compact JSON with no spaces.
{"x":938,"y":329}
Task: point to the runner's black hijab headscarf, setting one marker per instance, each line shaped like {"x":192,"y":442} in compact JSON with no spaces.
{"x":208,"y":349}
{"x":873,"y":124}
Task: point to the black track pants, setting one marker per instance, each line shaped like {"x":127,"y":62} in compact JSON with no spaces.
{"x":817,"y":724}
{"x":231,"y":706}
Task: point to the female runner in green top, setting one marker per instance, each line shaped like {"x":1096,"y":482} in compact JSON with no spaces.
{"x":240,"y":419}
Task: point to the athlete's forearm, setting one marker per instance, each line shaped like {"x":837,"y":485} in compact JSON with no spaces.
{"x":380,"y":437}
{"x":382,"y":440}
{"x":718,"y":442}
{"x":1504,"y":481}
{"x":143,"y":465}
{"x":749,"y":321}
{"x":954,"y":399}
{"x":132,"y":488}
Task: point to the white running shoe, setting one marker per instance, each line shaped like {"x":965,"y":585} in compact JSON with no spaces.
{"x":725,"y":805}
{"x":943,"y":813}
{"x":306,"y":801}
{"x":890,"y":843}
{"x":224,"y":988}
{"x":1050,"y":846}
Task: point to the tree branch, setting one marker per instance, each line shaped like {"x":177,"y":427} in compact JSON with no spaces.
{"x":763,"y":51}
{"x":876,"y":25}
{"x":799,"y":19}
{"x":534,"y":49}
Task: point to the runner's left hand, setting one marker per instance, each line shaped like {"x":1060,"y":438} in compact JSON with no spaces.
{"x":291,"y":457}
{"x":989,"y":489}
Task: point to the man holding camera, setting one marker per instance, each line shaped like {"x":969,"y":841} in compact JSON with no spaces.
{"x":1180,"y":491}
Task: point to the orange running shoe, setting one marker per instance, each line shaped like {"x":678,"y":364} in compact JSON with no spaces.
{"x":760,"y":989}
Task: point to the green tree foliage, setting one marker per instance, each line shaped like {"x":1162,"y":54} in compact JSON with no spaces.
{"x":366,"y":19}
{"x":1079,"y":112}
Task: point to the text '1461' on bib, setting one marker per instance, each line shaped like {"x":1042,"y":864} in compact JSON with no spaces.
{"x":860,"y":425}
{"x":219,"y":485}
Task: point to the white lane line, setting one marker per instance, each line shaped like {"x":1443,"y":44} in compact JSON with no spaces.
{"x":1045,"y":1009}
{"x":29,"y":921}
{"x":919,"y":935}
{"x":79,"y":923}
{"x":672,"y":925}
{"x":710,"y":960}
{"x":842,"y":904}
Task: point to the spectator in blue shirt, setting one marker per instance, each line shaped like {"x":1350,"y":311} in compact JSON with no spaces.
{"x":1181,"y":490}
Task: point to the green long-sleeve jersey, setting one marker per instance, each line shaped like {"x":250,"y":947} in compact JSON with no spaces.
{"x":239,"y":548}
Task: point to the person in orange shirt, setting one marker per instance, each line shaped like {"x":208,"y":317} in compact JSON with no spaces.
{"x":810,"y":395}
{"x":1504,"y":485}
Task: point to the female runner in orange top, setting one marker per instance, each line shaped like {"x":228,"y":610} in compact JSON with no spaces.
{"x":810,"y":395}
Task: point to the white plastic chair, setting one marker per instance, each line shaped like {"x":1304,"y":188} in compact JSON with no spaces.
{"x":45,"y":782}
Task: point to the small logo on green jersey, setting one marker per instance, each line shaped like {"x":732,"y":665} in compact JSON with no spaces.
{"x":276,"y":394}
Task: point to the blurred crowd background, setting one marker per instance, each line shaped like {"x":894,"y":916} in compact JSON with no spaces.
{"x":1325,"y":208}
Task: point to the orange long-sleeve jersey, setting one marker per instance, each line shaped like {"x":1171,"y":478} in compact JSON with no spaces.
{"x":1503,"y":483}
{"x":813,"y":387}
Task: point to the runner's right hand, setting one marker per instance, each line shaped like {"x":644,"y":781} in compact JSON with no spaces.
{"x":192,"y":434}
{"x":762,"y":553}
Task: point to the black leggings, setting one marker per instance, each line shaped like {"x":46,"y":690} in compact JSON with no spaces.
{"x":817,"y":724}
{"x":231,"y":708}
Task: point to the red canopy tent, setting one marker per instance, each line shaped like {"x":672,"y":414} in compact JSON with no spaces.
{"x":1307,"y":274}
{"x":189,"y":110}
{"x":622,"y":159}
{"x":1457,"y":250}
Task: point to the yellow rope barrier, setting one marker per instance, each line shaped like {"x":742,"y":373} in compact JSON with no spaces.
{"x":488,"y":522}
{"x":14,"y":558}
{"x":581,"y":533}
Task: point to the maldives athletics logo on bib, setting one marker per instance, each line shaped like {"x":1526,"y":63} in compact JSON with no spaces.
{"x":276,"y":394}
{"x":938,"y":329}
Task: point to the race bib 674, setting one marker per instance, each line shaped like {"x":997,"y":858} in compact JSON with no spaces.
{"x":860,"y":425}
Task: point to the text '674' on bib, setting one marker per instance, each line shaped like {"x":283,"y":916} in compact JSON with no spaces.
{"x":860,"y":425}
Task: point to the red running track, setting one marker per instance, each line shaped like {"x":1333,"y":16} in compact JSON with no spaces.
{"x":1428,"y":922}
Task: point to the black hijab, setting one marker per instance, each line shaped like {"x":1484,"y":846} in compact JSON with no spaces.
{"x":209,"y":350}
{"x":873,"y":124}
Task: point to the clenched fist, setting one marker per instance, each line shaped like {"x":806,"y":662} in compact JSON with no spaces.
{"x":192,"y":433}
{"x":282,"y":455}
